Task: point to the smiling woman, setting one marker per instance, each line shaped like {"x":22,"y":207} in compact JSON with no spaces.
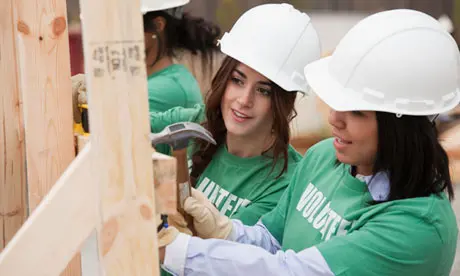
{"x":248,"y":110}
{"x":356,"y":138}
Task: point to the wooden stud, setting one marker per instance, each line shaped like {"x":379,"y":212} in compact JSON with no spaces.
{"x":116,"y":79}
{"x":164,"y":173}
{"x":13,"y":206}
{"x":44,"y":75}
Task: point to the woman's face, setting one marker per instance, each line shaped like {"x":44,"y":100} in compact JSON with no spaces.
{"x":356,"y":138}
{"x":246,"y":104}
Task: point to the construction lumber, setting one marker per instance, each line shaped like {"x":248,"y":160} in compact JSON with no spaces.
{"x":53,"y":233}
{"x":116,"y":80}
{"x":109,"y":186}
{"x":13,"y":205}
{"x":164,"y":174}
{"x":42,"y":45}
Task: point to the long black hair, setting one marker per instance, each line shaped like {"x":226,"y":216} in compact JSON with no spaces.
{"x":184,"y":32}
{"x":409,"y":151}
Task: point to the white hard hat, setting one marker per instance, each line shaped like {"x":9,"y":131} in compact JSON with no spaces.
{"x":277,"y":41}
{"x":398,"y":61}
{"x":159,"y":5}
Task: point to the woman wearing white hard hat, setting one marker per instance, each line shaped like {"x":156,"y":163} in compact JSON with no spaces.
{"x":248,"y":110}
{"x":168,"y":30}
{"x":374,"y":200}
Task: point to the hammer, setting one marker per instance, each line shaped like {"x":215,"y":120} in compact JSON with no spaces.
{"x":177,"y":136}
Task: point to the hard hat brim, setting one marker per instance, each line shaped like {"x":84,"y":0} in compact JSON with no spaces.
{"x":164,"y":6}
{"x":328,"y":89}
{"x":254,"y":65}
{"x":340,"y":98}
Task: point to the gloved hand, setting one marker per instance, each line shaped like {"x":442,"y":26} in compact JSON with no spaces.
{"x":167,"y":236}
{"x":178,"y":221}
{"x":208,"y":222}
{"x":79,"y":95}
{"x":175,"y":224}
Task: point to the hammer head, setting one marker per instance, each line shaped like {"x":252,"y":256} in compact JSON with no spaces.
{"x":177,"y":135}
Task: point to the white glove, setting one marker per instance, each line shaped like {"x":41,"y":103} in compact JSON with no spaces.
{"x":178,"y":221}
{"x":208,"y":222}
{"x":167,"y":234}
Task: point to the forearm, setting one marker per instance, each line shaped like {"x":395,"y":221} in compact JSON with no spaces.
{"x":257,"y":235}
{"x":159,"y":120}
{"x":194,"y":256}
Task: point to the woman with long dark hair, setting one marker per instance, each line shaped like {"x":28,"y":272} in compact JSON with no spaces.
{"x":248,"y":111}
{"x":168,"y":30}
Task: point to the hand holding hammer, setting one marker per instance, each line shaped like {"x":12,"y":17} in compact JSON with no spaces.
{"x":177,"y":136}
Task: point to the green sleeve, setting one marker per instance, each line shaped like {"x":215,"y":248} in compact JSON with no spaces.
{"x":250,"y":215}
{"x":389,"y":244}
{"x":159,"y":120}
{"x":275,"y":219}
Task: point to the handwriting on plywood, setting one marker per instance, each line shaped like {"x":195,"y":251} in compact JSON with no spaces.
{"x":113,"y":57}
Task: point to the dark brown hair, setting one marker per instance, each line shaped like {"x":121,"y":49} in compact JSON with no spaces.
{"x":282,"y":105}
{"x":190,"y":33}
{"x":409,"y":150}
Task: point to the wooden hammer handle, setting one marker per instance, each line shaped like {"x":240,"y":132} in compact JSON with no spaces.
{"x":184,"y":188}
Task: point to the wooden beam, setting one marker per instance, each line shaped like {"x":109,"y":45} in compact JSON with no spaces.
{"x":13,"y":206}
{"x":113,"y":43}
{"x":44,"y":74}
{"x":164,"y":174}
{"x":57,"y":227}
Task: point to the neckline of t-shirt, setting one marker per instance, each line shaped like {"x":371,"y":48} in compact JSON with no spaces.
{"x":232,"y":159}
{"x":378,"y":186}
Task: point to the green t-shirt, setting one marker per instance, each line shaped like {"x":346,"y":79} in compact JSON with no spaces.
{"x":325,"y":206}
{"x":173,"y":86}
{"x":239,"y":187}
{"x":242,"y":188}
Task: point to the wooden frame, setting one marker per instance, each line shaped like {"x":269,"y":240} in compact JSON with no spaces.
{"x":109,"y":186}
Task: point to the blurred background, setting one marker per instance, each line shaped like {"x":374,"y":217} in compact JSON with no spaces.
{"x":332,"y":18}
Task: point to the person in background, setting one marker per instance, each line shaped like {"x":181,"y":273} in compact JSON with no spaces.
{"x":167,"y":32}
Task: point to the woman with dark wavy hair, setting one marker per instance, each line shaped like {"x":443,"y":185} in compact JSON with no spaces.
{"x":248,"y":111}
{"x":167,"y":30}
